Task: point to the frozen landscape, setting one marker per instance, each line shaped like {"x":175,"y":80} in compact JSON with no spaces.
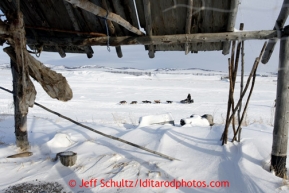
{"x":203,"y":164}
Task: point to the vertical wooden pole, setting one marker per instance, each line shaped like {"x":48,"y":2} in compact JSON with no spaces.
{"x":280,"y":132}
{"x":20,"y":119}
{"x":23,"y":89}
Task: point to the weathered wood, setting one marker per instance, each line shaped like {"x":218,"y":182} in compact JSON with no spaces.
{"x":229,"y":104}
{"x":231,"y":23}
{"x":256,"y":63}
{"x":23,"y":89}
{"x":119,"y":10}
{"x":112,"y":30}
{"x":60,"y":51}
{"x":53,"y":83}
{"x":233,"y":80}
{"x":69,"y":9}
{"x":282,"y":17}
{"x":3,"y":28}
{"x":96,"y":10}
{"x":118,"y":51}
{"x":26,"y":92}
{"x":241,"y":86}
{"x":166,"y":39}
{"x":148,"y":28}
{"x":20,"y":120}
{"x":247,"y":102}
{"x":110,"y":25}
{"x":281,"y":122}
{"x":64,"y":31}
{"x":235,"y":63}
{"x":181,"y":38}
{"x":130,"y":5}
{"x":188,"y":22}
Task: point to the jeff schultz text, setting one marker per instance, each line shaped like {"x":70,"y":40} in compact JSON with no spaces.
{"x":149,"y":183}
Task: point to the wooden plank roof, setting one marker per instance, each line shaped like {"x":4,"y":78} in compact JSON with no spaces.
{"x":50,"y":22}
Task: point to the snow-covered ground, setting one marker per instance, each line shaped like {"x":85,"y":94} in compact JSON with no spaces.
{"x":103,"y":163}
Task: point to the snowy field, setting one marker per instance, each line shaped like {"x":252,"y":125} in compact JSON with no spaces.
{"x":102,"y":163}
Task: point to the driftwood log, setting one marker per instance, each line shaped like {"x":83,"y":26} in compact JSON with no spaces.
{"x":96,"y":10}
{"x":55,"y":85}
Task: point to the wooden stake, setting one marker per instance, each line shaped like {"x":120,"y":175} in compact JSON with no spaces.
{"x":241,"y":90}
{"x":248,"y":99}
{"x":247,"y":85}
{"x":225,"y":133}
{"x":232,"y":81}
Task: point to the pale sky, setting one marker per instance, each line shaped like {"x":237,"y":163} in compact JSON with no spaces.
{"x":255,"y":14}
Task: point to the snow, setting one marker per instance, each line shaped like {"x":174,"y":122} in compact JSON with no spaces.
{"x":162,"y":119}
{"x":101,"y":161}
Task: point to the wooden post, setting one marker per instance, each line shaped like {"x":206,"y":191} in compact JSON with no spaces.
{"x":23,"y":88}
{"x":231,"y":24}
{"x":147,"y":12}
{"x":280,"y":132}
{"x":282,"y":17}
{"x":188,"y":23}
{"x":20,"y":119}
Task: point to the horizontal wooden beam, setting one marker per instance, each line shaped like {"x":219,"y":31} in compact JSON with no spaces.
{"x":96,"y":10}
{"x":158,"y":40}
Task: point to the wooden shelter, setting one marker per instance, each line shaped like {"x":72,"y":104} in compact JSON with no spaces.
{"x":73,"y":26}
{"x":63,"y":26}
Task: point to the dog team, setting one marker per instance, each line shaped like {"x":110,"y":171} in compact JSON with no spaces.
{"x":187,"y":100}
{"x":146,"y":101}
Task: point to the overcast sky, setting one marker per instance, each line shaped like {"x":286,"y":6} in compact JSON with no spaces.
{"x":255,"y":14}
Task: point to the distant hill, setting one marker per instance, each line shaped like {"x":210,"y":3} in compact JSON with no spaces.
{"x":197,"y":71}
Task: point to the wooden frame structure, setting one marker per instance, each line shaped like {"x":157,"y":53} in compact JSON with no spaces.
{"x":73,"y":26}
